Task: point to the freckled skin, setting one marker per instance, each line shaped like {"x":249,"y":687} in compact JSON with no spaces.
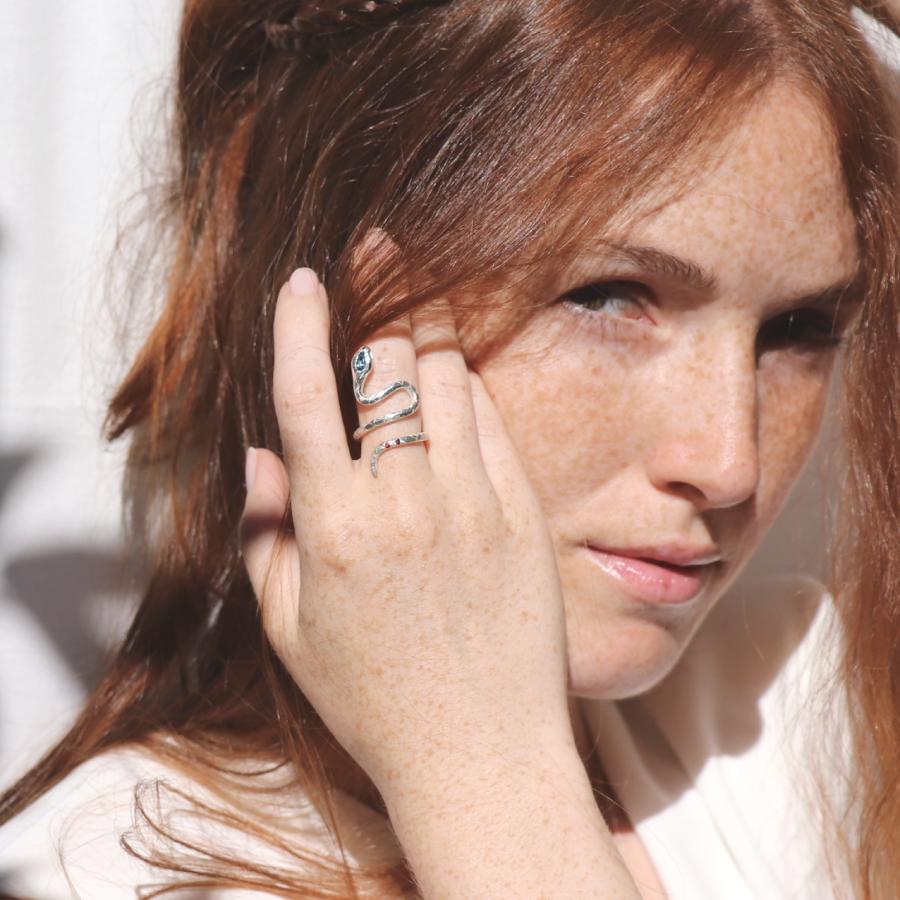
{"x":682,"y":428}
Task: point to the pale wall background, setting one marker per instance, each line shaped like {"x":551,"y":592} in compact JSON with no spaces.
{"x":74,"y":77}
{"x":73,"y":74}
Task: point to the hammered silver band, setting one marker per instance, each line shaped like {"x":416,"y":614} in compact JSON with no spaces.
{"x":361,"y":365}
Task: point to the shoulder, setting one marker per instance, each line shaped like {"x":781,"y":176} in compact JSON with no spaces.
{"x":72,"y":841}
{"x":67,"y":843}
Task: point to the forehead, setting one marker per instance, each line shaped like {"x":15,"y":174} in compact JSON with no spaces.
{"x":771,"y":212}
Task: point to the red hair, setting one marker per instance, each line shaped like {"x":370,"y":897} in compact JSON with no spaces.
{"x":457,"y":128}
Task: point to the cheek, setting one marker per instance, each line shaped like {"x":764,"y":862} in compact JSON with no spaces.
{"x":572,"y":416}
{"x":580,"y":411}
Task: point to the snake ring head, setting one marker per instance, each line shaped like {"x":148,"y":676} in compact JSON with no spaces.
{"x":362,"y":362}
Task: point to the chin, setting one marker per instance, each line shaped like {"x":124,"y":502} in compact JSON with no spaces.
{"x":621,"y":658}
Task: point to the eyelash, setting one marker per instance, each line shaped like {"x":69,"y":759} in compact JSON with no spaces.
{"x":817,"y":329}
{"x":577,"y":301}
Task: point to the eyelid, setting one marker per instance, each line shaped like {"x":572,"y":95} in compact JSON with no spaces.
{"x":636,"y":291}
{"x":629,"y":283}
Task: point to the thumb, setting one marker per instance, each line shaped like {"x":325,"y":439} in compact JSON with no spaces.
{"x":266,"y":539}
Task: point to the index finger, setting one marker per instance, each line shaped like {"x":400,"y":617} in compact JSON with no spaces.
{"x":305,"y":389}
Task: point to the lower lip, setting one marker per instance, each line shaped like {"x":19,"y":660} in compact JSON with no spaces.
{"x":659,"y":583}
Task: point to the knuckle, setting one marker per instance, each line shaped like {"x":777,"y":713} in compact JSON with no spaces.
{"x":447,"y":388}
{"x":388,"y":370}
{"x":481,"y":514}
{"x":484,"y":512}
{"x":414,"y":528}
{"x":301,"y":398}
{"x":332,"y":547}
{"x":388,"y":364}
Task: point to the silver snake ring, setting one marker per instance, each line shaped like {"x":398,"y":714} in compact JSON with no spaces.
{"x":362,"y":366}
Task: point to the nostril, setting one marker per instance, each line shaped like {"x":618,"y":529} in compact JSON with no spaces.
{"x":706,"y":484}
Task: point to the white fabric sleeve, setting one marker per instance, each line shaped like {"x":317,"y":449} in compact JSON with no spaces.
{"x":67,"y":844}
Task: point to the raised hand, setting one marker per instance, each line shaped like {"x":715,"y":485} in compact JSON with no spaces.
{"x":419,"y":611}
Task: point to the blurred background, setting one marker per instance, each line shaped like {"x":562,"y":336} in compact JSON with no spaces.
{"x":83,"y":87}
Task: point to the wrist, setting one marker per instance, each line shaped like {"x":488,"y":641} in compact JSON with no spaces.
{"x":466,"y":773}
{"x":520,"y":823}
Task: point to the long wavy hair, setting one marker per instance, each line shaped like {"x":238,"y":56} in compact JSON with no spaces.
{"x":465,"y":130}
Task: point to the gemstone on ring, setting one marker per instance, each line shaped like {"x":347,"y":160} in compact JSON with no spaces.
{"x":362,"y":360}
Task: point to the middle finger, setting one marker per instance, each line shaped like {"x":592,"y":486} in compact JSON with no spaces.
{"x":391,"y":360}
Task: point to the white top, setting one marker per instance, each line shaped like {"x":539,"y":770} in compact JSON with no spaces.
{"x":702,"y":764}
{"x":67,"y":844}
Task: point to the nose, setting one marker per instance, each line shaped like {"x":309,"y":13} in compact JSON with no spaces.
{"x":707,"y":446}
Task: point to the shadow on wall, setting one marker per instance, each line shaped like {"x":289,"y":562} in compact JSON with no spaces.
{"x":59,"y":588}
{"x":74,"y":593}
{"x":12,"y":463}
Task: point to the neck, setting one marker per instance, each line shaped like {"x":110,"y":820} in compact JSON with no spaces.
{"x":604,"y":792}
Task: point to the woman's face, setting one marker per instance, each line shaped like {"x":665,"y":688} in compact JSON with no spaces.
{"x":669,"y":409}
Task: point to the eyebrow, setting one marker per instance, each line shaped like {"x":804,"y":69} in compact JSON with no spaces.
{"x":659,"y":262}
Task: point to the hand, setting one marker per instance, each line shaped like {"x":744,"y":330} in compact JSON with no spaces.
{"x":420,"y":611}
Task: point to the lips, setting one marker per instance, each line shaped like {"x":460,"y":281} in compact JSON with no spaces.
{"x":665,"y":574}
{"x":675,"y":553}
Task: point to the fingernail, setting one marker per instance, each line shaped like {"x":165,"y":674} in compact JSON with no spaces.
{"x":250,"y":468}
{"x":304,"y":282}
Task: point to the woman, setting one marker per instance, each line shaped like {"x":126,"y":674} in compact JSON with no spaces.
{"x":608,"y":251}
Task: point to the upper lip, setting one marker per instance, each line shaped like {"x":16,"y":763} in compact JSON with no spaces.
{"x":674,"y":553}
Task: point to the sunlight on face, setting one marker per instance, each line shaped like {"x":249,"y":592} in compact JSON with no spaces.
{"x":667,"y":396}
